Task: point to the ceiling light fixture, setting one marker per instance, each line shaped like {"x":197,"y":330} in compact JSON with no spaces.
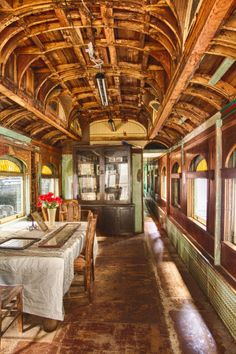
{"x":100,"y":78}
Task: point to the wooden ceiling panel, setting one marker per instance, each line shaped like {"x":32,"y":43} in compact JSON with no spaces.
{"x":44,"y":52}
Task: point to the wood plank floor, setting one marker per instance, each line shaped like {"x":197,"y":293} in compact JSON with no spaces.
{"x":139,"y":307}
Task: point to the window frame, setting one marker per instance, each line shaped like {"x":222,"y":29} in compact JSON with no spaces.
{"x":53,"y":176}
{"x":164,"y":183}
{"x":228,"y":173}
{"x":175,"y":177}
{"x":192,"y":175}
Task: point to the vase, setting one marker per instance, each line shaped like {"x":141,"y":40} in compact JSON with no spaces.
{"x":51,"y":216}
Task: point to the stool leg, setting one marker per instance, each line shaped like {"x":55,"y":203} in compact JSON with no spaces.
{"x":20,"y":310}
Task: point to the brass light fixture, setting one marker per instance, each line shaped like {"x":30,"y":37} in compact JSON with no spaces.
{"x":112,"y":124}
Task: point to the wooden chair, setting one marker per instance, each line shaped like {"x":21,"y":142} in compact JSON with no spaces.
{"x":44,"y":213}
{"x":70,"y":210}
{"x":11,"y":304}
{"x":85,"y":263}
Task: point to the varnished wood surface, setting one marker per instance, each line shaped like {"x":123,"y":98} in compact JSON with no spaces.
{"x":150,"y":51}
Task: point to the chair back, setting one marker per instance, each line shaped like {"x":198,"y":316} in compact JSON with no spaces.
{"x":70,"y":210}
{"x":90,"y":242}
{"x":44,"y":213}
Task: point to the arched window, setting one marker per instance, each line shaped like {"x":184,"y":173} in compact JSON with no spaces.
{"x":230,"y":198}
{"x":11,"y":188}
{"x":175,"y":185}
{"x":163,"y":184}
{"x":49,"y":180}
{"x":198,"y":190}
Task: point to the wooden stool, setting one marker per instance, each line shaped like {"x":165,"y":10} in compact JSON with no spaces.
{"x":11,"y":304}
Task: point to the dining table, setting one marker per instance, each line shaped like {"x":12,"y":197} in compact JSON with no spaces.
{"x":46,"y":273}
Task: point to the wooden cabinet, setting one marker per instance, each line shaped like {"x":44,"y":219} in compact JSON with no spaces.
{"x":118,"y":220}
{"x":102,"y":183}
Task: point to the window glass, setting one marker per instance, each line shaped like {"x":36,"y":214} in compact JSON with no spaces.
{"x":11,"y":189}
{"x":232,"y":160}
{"x":46,"y":170}
{"x":49,"y":185}
{"x":8,"y":166}
{"x":11,"y":196}
{"x":198,"y":191}
{"x":163,"y":184}
{"x":176,"y":168}
{"x":49,"y":182}
{"x":175,"y":186}
{"x":198,"y":164}
{"x":200,"y":199}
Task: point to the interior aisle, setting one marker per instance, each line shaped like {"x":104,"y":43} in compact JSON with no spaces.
{"x":142,"y":304}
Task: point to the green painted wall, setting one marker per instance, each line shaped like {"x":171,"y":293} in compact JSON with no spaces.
{"x":67,"y":176}
{"x":137,"y":191}
{"x":11,"y":134}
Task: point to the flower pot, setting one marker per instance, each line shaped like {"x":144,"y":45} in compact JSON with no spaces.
{"x":51,"y":216}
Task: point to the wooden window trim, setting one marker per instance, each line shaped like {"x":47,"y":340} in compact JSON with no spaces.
{"x":201,"y":174}
{"x":228,"y":172}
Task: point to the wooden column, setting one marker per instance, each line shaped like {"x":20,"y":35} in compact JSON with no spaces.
{"x":218,"y":195}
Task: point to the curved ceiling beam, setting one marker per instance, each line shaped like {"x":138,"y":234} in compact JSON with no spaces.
{"x":79,"y":73}
{"x":29,"y":105}
{"x":211,"y":15}
{"x":23,"y":63}
{"x":9,"y":111}
{"x":222,"y":51}
{"x":190,"y":110}
{"x":10,"y":122}
{"x":38,"y":129}
{"x":14,"y":42}
{"x":221,"y":87}
{"x":205,"y":96}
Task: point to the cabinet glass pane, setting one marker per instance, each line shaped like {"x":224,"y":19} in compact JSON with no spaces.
{"x":88,"y":176}
{"x":116,"y":178}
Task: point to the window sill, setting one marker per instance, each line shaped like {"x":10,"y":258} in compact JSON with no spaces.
{"x":12,"y":221}
{"x":198,"y":223}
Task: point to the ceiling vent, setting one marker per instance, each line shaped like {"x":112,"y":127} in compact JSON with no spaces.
{"x":154,"y":105}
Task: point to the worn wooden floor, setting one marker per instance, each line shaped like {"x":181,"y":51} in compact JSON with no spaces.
{"x":139,"y":307}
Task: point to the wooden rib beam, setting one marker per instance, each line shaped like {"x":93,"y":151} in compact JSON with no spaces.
{"x":30,"y":107}
{"x":5,"y":5}
{"x":210,"y":17}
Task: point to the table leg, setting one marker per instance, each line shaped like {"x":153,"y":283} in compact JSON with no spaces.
{"x":49,"y":325}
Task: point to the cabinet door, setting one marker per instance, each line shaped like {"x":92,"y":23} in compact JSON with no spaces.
{"x":117,"y":177}
{"x":126,"y":219}
{"x":110,"y":222}
{"x":88,"y":176}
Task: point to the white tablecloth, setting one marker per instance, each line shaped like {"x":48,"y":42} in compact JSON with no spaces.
{"x":46,"y":274}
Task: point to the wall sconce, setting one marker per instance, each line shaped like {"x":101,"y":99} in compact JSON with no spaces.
{"x":112,"y":124}
{"x":100,"y":78}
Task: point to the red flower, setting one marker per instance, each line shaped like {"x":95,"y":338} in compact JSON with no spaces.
{"x":49,"y":201}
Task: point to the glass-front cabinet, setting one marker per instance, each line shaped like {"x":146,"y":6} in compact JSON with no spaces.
{"x":88,"y":176}
{"x":102,"y":183}
{"x":102,"y":174}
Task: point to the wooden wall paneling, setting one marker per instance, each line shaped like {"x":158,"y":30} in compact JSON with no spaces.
{"x":168,"y":199}
{"x":228,"y":136}
{"x":228,"y":259}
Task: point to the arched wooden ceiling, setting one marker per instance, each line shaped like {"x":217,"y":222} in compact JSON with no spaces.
{"x":44,"y":61}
